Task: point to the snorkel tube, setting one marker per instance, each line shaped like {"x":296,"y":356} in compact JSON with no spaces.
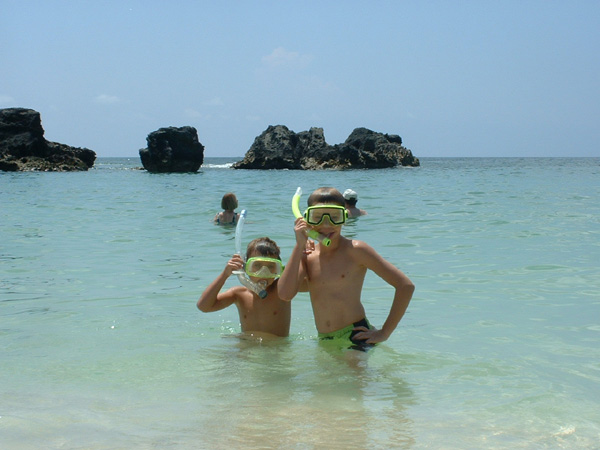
{"x":313,"y":234}
{"x":260,"y":287}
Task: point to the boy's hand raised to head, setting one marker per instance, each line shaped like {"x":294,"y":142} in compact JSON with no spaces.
{"x":301,"y":230}
{"x":310,"y":247}
{"x":235,"y":263}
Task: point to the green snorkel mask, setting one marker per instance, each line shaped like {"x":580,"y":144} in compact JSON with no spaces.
{"x":263,"y":267}
{"x":315,"y":215}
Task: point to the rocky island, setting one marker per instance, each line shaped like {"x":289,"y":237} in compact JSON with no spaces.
{"x":173,"y":149}
{"x":280,"y":148}
{"x":24,"y":148}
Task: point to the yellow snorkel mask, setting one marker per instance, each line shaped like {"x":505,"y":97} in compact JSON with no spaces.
{"x":263,"y":267}
{"x":315,"y":215}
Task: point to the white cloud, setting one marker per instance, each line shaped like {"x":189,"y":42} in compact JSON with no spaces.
{"x":6,"y":100}
{"x":105,"y":99}
{"x":280,"y":57}
{"x":193,"y":114}
{"x":215,"y":101}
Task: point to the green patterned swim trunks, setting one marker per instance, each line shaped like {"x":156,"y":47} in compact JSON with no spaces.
{"x":347,"y":334}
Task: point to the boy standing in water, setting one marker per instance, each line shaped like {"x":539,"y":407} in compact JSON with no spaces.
{"x":257,"y":315}
{"x":334,"y":275}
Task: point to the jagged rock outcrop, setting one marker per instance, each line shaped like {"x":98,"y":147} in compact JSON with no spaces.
{"x":24,"y":148}
{"x":173,"y":150}
{"x":280,"y":148}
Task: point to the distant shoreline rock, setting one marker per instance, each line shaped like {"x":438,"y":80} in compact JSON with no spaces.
{"x":173,"y":150}
{"x":280,"y":148}
{"x":24,"y":148}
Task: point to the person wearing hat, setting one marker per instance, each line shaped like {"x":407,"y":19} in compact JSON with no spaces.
{"x":351,"y":197}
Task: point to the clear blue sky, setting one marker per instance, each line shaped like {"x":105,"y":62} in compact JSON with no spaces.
{"x":453,"y":78}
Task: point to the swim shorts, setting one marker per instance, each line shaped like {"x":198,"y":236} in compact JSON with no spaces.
{"x":345,"y":336}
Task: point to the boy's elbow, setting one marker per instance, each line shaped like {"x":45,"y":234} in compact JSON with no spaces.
{"x":284,"y":291}
{"x":201,"y":306}
{"x":285,"y":296}
{"x":409,"y":288}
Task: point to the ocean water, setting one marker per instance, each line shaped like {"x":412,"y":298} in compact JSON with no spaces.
{"x":102,"y":347}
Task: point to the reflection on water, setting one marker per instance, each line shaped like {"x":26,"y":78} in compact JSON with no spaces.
{"x":296,"y":392}
{"x":102,"y":347}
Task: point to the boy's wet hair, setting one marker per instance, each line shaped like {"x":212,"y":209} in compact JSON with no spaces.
{"x":264,"y":247}
{"x":229,"y":202}
{"x":326,"y":195}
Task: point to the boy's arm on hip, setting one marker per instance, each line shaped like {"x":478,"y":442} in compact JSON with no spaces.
{"x":404,"y":287}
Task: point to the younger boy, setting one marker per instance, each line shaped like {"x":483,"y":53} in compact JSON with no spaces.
{"x":334,"y":275}
{"x":261,"y":315}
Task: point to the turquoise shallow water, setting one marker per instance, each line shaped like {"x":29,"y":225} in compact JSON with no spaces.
{"x":102,"y":347}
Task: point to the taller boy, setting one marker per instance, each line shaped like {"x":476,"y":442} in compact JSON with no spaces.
{"x":334,"y":275}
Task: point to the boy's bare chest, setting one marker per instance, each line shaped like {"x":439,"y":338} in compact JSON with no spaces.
{"x":251,"y":304}
{"x":334,"y":270}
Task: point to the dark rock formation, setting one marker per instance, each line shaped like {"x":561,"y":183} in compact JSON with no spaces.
{"x":23,"y":147}
{"x":173,"y":150}
{"x":279,"y":148}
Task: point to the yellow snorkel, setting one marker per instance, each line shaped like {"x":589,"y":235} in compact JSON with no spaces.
{"x":313,"y":234}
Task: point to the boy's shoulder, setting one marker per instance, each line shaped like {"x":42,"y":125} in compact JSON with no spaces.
{"x":358,"y":248}
{"x":354,"y":243}
{"x":350,"y":247}
{"x":240,"y":292}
